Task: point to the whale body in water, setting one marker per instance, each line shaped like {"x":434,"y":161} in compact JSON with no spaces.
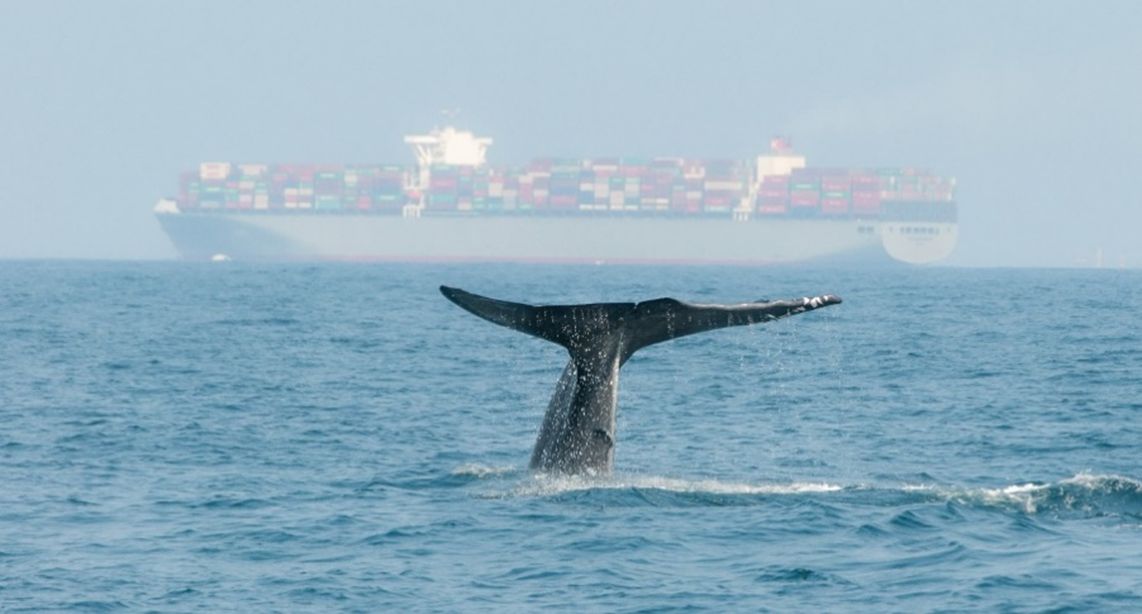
{"x":578,"y":432}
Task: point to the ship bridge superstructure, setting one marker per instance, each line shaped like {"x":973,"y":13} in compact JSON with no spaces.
{"x":447,"y":146}
{"x":780,"y":161}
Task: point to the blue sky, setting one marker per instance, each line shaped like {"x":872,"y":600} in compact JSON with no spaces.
{"x":1036,"y":107}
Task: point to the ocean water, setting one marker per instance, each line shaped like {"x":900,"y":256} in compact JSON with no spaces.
{"x":339,"y":438}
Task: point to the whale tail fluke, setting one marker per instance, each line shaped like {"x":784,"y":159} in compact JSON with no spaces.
{"x":577,"y":434}
{"x":634,"y":325}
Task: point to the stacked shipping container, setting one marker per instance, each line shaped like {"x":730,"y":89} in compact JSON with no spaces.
{"x":293,"y":187}
{"x":661,"y":186}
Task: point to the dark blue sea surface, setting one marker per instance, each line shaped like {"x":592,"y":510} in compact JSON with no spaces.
{"x":326,"y":438}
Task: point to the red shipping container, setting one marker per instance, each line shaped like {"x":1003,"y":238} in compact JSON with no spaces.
{"x":804,"y":199}
{"x":834,"y":206}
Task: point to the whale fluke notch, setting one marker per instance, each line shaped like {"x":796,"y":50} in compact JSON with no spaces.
{"x":577,"y":432}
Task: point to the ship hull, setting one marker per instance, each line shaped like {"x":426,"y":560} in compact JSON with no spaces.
{"x":538,"y":238}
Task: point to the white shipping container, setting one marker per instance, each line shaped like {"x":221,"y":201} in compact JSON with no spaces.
{"x":214,"y":170}
{"x":724,"y":185}
{"x":252,"y":170}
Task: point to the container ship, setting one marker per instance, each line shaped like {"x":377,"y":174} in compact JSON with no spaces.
{"x":451,"y":205}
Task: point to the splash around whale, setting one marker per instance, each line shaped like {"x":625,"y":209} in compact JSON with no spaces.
{"x":577,"y":434}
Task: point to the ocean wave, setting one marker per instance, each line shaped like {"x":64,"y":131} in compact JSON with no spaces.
{"x":657,"y":491}
{"x":473,"y":470}
{"x":1084,"y":495}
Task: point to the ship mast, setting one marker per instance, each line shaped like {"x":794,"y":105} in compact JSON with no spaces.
{"x":441,"y":146}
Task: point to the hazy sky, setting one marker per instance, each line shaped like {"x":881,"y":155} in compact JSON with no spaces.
{"x":1036,"y":107}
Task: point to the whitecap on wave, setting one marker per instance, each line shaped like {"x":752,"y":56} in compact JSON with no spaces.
{"x":1085,"y":494}
{"x":472,"y":470}
{"x":538,"y":485}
